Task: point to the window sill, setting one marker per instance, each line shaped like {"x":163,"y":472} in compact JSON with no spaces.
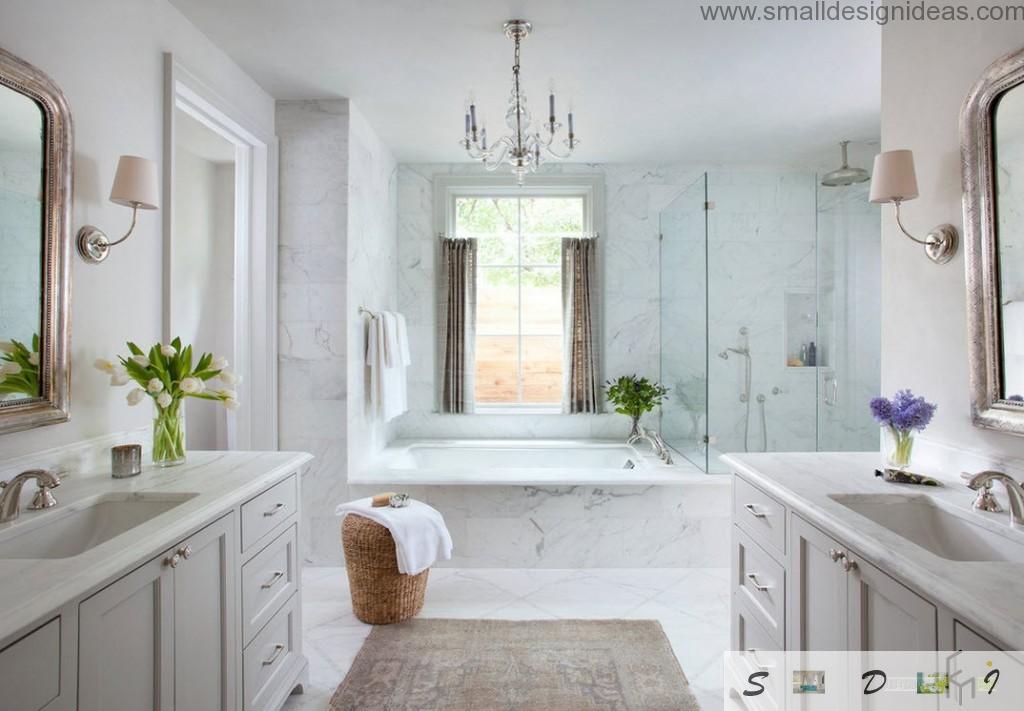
{"x":517,"y":410}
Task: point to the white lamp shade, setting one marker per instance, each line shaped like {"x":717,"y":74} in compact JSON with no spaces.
{"x":893,"y":177}
{"x":135,"y":183}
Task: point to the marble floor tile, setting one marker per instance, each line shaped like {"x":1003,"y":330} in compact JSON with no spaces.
{"x":691,"y":604}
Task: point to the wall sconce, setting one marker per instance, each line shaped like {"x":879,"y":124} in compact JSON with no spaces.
{"x":894,"y":180}
{"x":135,"y":186}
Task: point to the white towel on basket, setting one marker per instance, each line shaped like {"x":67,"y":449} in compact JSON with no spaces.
{"x":421,"y":536}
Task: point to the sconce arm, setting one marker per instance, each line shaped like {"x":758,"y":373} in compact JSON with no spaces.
{"x":941,"y":243}
{"x":131,"y":228}
{"x":903,"y":229}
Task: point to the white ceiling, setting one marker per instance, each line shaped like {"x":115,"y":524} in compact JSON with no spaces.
{"x":649,"y":80}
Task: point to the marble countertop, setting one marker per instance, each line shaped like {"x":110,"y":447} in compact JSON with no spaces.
{"x":30,"y":590}
{"x":985,"y":595}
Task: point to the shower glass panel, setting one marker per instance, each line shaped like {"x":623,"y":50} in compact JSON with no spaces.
{"x":770,"y":316}
{"x":684,"y":350}
{"x":849,"y":317}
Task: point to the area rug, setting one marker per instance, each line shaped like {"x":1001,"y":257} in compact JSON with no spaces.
{"x":498,"y":665}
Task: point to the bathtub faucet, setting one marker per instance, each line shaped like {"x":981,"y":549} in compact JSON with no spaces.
{"x":654,"y":439}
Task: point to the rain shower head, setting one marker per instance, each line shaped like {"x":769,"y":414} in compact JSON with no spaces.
{"x":845,"y":175}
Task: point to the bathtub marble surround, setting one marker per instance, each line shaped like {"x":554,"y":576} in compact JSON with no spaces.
{"x":691,"y":605}
{"x":581,"y":526}
{"x":804,"y":482}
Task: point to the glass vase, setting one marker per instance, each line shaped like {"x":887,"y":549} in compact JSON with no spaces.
{"x":901,"y":448}
{"x":169,"y":436}
{"x":636,"y":432}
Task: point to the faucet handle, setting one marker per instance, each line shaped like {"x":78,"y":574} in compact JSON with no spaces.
{"x":986,"y":499}
{"x":43,"y":499}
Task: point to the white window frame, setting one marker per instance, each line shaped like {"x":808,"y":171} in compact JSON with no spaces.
{"x":448,"y":188}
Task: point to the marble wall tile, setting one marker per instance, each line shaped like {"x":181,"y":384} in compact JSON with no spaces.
{"x":339,"y":250}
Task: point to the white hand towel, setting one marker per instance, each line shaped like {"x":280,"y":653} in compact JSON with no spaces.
{"x":375,"y":362}
{"x":403,"y":339}
{"x":392,"y":356}
{"x":421,"y":536}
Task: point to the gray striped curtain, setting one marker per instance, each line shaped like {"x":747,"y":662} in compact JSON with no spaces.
{"x":579,"y":287}
{"x":458,"y":305}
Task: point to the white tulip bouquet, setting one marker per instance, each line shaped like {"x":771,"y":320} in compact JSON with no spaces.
{"x":19,"y":368}
{"x":168,"y":375}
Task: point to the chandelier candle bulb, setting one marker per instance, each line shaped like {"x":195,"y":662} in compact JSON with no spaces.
{"x":551,"y":109}
{"x":472,"y":119}
{"x":483,"y":138}
{"x":467,"y":123}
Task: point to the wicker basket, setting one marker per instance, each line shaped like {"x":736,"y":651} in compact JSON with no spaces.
{"x":380,"y":594}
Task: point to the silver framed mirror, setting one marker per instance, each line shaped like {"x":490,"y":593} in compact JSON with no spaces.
{"x":35,"y":238}
{"x":992,"y":161}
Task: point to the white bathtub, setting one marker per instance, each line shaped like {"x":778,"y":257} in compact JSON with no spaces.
{"x":519,"y":462}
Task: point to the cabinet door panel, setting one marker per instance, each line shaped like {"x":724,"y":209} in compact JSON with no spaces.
{"x":886,"y":616}
{"x":205,"y":634}
{"x":126,"y":643}
{"x":817,"y":598}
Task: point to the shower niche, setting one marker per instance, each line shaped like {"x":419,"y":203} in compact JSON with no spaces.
{"x":804,"y":343}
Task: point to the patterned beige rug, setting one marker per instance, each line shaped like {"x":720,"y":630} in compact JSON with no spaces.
{"x":497,"y":665}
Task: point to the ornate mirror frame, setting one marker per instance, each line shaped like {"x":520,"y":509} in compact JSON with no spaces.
{"x":988,"y":407}
{"x":52,"y":406}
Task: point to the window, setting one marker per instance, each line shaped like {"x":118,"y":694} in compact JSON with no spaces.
{"x":519,"y":291}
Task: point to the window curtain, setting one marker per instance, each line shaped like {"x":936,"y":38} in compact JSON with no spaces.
{"x":579,"y":287}
{"x":458,"y":304}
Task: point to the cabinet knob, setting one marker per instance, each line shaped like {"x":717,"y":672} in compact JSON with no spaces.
{"x":849,"y":565}
{"x":835,"y":555}
{"x":172,"y":560}
{"x":185,"y":552}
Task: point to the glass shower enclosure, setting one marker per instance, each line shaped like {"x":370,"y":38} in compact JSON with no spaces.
{"x":769,"y":315}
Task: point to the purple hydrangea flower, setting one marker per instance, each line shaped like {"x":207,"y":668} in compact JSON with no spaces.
{"x":905,"y":411}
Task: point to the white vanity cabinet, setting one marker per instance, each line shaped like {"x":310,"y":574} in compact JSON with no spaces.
{"x":164,"y":635}
{"x":211,"y":623}
{"x":833,"y":598}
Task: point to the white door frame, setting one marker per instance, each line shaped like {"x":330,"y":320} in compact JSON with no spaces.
{"x":254,"y":425}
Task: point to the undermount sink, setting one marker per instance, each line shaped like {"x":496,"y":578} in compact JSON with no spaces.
{"x":71,"y":530}
{"x":947,"y":532}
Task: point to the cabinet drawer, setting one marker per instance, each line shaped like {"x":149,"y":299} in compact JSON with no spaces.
{"x":263,"y":514}
{"x":30,"y":669}
{"x":760,"y":515}
{"x":760,"y":582}
{"x":267,"y":662}
{"x":269,"y":579}
{"x":749,"y":636}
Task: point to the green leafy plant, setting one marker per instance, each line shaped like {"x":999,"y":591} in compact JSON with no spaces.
{"x":19,"y":368}
{"x":633,"y":396}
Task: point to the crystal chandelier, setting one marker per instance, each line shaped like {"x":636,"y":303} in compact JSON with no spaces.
{"x":524,"y":150}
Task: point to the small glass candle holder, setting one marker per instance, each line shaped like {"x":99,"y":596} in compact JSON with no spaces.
{"x":126,"y":461}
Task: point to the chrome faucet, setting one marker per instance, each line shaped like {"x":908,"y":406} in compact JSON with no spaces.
{"x":10,"y":493}
{"x":654,"y":439}
{"x":1014,"y":492}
